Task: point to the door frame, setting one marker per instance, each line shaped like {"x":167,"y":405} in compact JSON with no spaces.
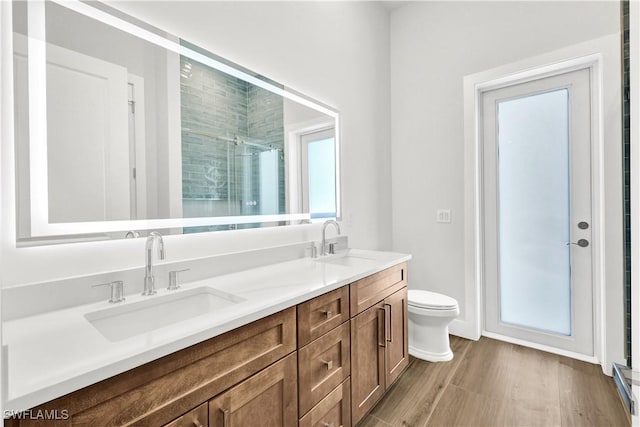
{"x":589,"y":55}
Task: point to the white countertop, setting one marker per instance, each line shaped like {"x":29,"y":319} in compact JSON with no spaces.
{"x":55,"y":353}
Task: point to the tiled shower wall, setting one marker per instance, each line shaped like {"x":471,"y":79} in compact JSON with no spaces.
{"x":220,"y":178}
{"x":626,"y":140}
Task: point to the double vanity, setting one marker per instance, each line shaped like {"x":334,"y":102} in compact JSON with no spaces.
{"x":309,"y":342}
{"x":168,"y":136}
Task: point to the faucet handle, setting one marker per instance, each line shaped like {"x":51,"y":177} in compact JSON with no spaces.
{"x":173,"y":279}
{"x":332,"y":248}
{"x":117,"y":290}
{"x":313,"y":250}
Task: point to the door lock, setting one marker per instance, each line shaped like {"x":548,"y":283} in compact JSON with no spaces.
{"x":583,"y":225}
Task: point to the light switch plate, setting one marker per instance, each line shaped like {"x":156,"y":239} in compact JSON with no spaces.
{"x":443,"y":215}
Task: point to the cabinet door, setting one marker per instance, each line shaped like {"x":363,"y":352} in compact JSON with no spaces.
{"x":269,"y":398}
{"x":396,"y":336}
{"x":367,"y":360}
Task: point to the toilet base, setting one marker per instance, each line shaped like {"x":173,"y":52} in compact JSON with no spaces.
{"x":429,"y":356}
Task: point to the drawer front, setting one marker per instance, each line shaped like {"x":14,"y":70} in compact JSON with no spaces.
{"x":334,"y":410}
{"x":155,"y":393}
{"x":199,"y":417}
{"x":321,"y":314}
{"x":322,"y":365}
{"x":366,"y":292}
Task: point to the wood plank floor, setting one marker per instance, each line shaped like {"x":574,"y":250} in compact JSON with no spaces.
{"x":493,"y":383}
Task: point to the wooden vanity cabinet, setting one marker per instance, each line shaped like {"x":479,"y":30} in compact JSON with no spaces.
{"x":379,"y":337}
{"x":325,"y":362}
{"x":158,"y":392}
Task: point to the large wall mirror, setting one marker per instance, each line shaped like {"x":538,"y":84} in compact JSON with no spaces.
{"x":121,"y":127}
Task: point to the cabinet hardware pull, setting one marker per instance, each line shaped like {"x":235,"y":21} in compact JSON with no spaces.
{"x":329,"y":363}
{"x":328,"y":424}
{"x":328,"y":314}
{"x":384,"y":327}
{"x":197,"y":423}
{"x":390,"y":339}
{"x":225,"y":417}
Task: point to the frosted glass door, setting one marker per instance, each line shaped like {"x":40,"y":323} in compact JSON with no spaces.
{"x":533,"y":208}
{"x":537,"y":208}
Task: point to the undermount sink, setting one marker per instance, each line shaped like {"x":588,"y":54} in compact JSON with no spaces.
{"x":347,"y":259}
{"x":121,"y":322}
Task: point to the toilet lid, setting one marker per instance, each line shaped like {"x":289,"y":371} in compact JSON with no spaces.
{"x":432,"y":300}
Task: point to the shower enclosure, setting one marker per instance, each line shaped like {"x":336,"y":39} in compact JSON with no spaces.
{"x":232,"y":146}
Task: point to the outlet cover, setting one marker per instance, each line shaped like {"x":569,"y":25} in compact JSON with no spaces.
{"x":443,"y":215}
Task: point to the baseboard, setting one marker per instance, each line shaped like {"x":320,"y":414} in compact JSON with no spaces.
{"x":570,"y":354}
{"x":464,"y":329}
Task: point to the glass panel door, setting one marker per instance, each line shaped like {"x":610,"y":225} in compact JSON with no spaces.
{"x":536,"y":144}
{"x":534,"y":210}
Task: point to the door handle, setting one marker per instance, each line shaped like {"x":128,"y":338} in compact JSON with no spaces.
{"x":583,"y":243}
{"x":225,"y":417}
{"x":389,"y":338}
{"x":382,"y":324}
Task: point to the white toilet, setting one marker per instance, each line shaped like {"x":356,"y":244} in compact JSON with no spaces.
{"x":429,"y":316}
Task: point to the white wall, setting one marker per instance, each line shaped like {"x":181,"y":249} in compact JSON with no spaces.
{"x":433,"y":46}
{"x":336,"y":52}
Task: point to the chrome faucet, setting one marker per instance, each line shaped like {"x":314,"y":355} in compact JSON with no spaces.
{"x":323,"y":249}
{"x":149,"y":280}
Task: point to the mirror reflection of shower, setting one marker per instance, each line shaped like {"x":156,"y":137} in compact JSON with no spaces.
{"x":232,"y":146}
{"x":248,"y":179}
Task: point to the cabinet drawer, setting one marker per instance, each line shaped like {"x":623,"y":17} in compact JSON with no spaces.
{"x":334,"y":410}
{"x":322,"y":365}
{"x":198,"y":417}
{"x":154,"y":393}
{"x":372,"y":289}
{"x":266,"y":399}
{"x":321,"y":314}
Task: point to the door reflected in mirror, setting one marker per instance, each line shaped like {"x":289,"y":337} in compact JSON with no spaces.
{"x":122,"y":127}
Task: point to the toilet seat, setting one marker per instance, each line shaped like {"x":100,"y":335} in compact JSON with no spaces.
{"x":430,"y":300}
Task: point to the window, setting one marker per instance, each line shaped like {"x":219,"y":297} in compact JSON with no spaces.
{"x":318,"y":163}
